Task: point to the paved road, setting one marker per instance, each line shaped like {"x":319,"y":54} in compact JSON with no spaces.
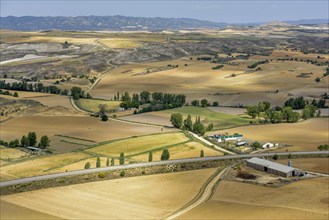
{"x":211,"y":144}
{"x":205,"y":195}
{"x":148,"y":164}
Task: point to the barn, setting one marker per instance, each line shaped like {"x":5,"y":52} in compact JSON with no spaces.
{"x":272,"y":167}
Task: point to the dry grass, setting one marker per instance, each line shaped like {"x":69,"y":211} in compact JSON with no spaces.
{"x":11,"y":153}
{"x":303,"y":136}
{"x":146,"y":197}
{"x":307,"y":199}
{"x":92,"y":104}
{"x":120,"y":43}
{"x":138,"y":145}
{"x":77,"y":126}
{"x":320,"y":165}
{"x":186,"y":150}
{"x":38,"y":166}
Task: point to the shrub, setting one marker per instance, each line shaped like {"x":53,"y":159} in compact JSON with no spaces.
{"x":87,"y":165}
{"x":101,"y":175}
{"x":122,"y":174}
{"x":245,"y":175}
{"x":105,"y":118}
{"x":323,"y":147}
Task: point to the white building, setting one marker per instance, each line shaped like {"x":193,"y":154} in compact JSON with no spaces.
{"x":267,"y":145}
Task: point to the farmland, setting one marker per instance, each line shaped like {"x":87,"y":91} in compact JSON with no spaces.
{"x":92,"y":104}
{"x":320,"y":165}
{"x":75,"y":126}
{"x":247,"y":201}
{"x":303,"y":136}
{"x":219,"y":120}
{"x":154,"y":196}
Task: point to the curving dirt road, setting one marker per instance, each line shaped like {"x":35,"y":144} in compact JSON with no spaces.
{"x":204,"y":195}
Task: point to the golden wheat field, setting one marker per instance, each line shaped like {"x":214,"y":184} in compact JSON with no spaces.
{"x":306,"y":199}
{"x":145,"y":197}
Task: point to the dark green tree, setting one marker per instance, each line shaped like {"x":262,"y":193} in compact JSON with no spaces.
{"x":176,"y":120}
{"x":150,"y":156}
{"x":188,"y":124}
{"x":76,"y":92}
{"x":215,"y":104}
{"x":122,"y":158}
{"x":204,"y":103}
{"x":98,"y":162}
{"x":15,"y":94}
{"x":112,"y":162}
{"x":87,"y":165}
{"x":32,"y":138}
{"x":44,"y":141}
{"x":108,"y":162}
{"x":24,"y":141}
{"x":201,"y":153}
{"x":165,"y":154}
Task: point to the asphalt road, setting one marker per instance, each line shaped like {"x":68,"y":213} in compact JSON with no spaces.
{"x":148,"y":164}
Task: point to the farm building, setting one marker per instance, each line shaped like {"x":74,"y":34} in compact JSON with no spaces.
{"x":224,"y":137}
{"x":267,"y":145}
{"x":272,"y":167}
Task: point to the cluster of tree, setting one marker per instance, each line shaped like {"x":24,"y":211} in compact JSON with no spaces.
{"x":323,"y":147}
{"x":325,"y":96}
{"x":76,"y":92}
{"x":197,"y":127}
{"x":300,"y":103}
{"x":98,"y":163}
{"x":203,"y":103}
{"x":252,"y":66}
{"x":15,"y":94}
{"x":156,"y":100}
{"x":29,"y":140}
{"x":218,"y":67}
{"x":204,"y":58}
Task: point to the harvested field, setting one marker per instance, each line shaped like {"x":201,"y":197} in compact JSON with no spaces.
{"x":320,"y":165}
{"x":158,"y":118}
{"x":198,"y":80}
{"x":92,"y":104}
{"x":145,"y":197}
{"x":139,"y":145}
{"x":303,"y":136}
{"x":39,"y":166}
{"x":120,"y":43}
{"x":77,"y":126}
{"x":186,"y":150}
{"x":7,"y":153}
{"x":306,"y":199}
{"x":14,"y":212}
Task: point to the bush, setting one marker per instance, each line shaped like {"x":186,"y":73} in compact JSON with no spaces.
{"x":101,"y":175}
{"x":122,"y":174}
{"x":275,"y":157}
{"x":245,"y":175}
{"x":105,"y":118}
{"x":87,"y":165}
{"x":323,"y":147}
{"x":165,"y":154}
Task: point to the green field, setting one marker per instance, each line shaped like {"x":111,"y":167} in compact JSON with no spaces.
{"x":92,"y":104}
{"x":219,"y":120}
{"x":139,"y":145}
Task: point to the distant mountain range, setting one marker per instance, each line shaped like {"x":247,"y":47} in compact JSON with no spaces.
{"x":31,"y":23}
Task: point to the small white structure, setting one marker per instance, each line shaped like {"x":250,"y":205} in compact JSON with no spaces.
{"x":267,"y":145}
{"x":241,"y":143}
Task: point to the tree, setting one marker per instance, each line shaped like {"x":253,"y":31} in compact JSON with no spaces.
{"x":204,"y":103}
{"x":108,"y":162}
{"x":145,"y":97}
{"x":76,"y":92}
{"x":165,"y":154}
{"x":150,"y":156}
{"x":87,"y":165}
{"x":188,"y":124}
{"x":122,"y":158}
{"x":201,"y":153}
{"x":32,"y":138}
{"x":215,"y":104}
{"x":255,"y":145}
{"x":317,"y":79}
{"x":275,"y":157}
{"x":323,"y":147}
{"x":98,"y":162}
{"x":102,"y":109}
{"x":15,"y":94}
{"x":112,"y":162}
{"x":252,"y":110}
{"x":176,"y":120}
{"x":198,"y":127}
{"x":44,"y":141}
{"x":104,"y":117}
{"x":210,"y":127}
{"x":195,"y":103}
{"x":24,"y":141}
{"x":308,"y":112}
{"x":125,"y":97}
{"x":318,"y":113}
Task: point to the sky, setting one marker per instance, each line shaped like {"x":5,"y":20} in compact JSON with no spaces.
{"x":230,"y":11}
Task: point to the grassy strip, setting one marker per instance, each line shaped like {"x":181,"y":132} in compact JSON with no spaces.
{"x":75,"y":143}
{"x":77,"y":103}
{"x":81,"y":139}
{"x":142,"y":123}
{"x":60,"y":166}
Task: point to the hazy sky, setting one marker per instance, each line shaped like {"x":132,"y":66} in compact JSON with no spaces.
{"x":222,"y":11}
